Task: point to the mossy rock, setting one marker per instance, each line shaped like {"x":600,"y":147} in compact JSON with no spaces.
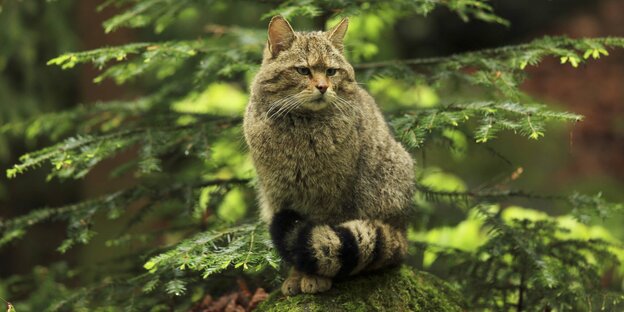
{"x":400,"y":289}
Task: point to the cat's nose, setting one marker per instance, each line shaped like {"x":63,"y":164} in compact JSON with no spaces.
{"x":322,"y":87}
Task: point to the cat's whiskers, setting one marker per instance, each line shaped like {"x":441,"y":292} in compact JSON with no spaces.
{"x":335,"y":101}
{"x":340,"y":109}
{"x":348,"y":105}
{"x":343,"y":106}
{"x":291,"y":107}
{"x":351,"y":104}
{"x":279,"y":105}
{"x":278,"y":111}
{"x":276,"y":105}
{"x":286,"y":105}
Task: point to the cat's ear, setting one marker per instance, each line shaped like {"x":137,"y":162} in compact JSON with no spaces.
{"x":281,"y":35}
{"x":336,"y":34}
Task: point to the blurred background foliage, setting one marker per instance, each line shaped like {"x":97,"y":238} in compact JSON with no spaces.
{"x":137,"y":159}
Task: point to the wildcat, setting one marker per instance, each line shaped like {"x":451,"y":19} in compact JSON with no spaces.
{"x":333,"y":184}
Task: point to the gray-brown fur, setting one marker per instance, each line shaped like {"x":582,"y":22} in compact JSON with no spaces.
{"x":328,"y":157}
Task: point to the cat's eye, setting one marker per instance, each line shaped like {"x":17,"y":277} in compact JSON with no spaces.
{"x":330,"y":71}
{"x":303,"y":70}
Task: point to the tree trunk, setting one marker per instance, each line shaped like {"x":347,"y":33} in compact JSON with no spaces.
{"x":400,"y":289}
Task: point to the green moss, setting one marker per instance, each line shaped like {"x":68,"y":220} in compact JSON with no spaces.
{"x":401,"y":289}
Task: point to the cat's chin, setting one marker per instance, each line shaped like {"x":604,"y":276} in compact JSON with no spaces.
{"x":315,"y":105}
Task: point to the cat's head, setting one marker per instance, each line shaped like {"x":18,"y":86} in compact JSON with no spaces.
{"x":304,"y":71}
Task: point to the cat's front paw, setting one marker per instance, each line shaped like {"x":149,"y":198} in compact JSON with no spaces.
{"x":291,"y":286}
{"x":312,"y":284}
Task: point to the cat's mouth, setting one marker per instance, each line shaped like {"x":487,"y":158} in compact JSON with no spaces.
{"x":316,"y":104}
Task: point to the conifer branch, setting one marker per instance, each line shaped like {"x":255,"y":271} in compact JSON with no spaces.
{"x":553,"y":46}
{"x":583,"y":207}
{"x":77,"y":155}
{"x":247,"y":246}
{"x":80,"y":214}
{"x":414,"y":128}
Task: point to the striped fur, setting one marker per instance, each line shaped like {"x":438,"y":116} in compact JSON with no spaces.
{"x":336,"y":251}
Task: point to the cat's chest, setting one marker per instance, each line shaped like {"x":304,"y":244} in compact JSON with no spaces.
{"x":307,"y":153}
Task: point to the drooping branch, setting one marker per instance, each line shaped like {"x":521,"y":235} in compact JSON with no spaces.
{"x":551,"y":46}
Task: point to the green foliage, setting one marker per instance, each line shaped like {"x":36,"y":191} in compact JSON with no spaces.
{"x":239,"y":51}
{"x":546,"y":265}
{"x":161,"y":13}
{"x":246,"y":246}
{"x":539,"y":270}
{"x":185,"y":220}
{"x":526,"y":120}
{"x":466,"y":9}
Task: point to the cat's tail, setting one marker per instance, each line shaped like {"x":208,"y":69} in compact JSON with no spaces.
{"x":336,"y":250}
